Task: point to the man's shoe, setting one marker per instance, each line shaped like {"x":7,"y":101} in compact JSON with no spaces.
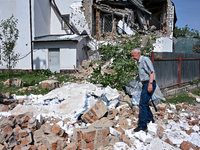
{"x":150,"y":121}
{"x":140,"y":128}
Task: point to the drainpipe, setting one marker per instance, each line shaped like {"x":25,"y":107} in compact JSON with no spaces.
{"x":30,"y":13}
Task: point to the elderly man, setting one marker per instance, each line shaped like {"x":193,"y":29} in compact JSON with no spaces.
{"x":147,"y":77}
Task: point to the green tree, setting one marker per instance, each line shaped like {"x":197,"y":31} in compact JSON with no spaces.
{"x":185,"y":31}
{"x":8,"y":36}
{"x":123,"y":69}
{"x":196,"y":47}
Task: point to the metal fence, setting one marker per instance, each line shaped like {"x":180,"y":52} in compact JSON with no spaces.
{"x":174,"y":69}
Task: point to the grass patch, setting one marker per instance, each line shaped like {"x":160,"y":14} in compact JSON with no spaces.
{"x":181,"y":98}
{"x":32,"y":79}
{"x":196,"y":92}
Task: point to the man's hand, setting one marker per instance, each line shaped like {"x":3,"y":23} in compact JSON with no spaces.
{"x":150,"y":87}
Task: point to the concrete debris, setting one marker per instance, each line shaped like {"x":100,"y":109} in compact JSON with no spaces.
{"x":79,"y":116}
{"x":50,"y":84}
{"x":16,"y":82}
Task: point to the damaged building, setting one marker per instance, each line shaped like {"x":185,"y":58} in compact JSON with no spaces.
{"x":109,"y":18}
{"x":60,"y":34}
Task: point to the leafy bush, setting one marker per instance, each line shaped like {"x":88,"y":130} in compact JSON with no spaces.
{"x":123,"y":68}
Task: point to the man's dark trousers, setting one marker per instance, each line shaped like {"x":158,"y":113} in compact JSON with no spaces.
{"x":145,"y":113}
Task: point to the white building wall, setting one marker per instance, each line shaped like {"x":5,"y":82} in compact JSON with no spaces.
{"x":81,"y":53}
{"x":56,"y":21}
{"x":68,"y":54}
{"x":42,"y":15}
{"x":20,"y":10}
{"x":163,"y":44}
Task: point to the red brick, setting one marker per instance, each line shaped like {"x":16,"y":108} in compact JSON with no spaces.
{"x":187,"y":146}
{"x":71,"y":146}
{"x":33,"y":147}
{"x":56,"y":129}
{"x":61,"y":144}
{"x":2,"y":147}
{"x":42,"y":147}
{"x":169,"y":142}
{"x":96,"y":112}
{"x":24,"y":125}
{"x":18,"y":147}
{"x":53,"y":146}
{"x":160,"y":131}
{"x":22,"y":133}
{"x":190,"y":131}
{"x":189,"y":122}
{"x":26,"y":140}
{"x":89,"y":136}
{"x":90,"y":145}
{"x":120,"y":130}
{"x":194,"y":122}
{"x":27,"y":118}
{"x":115,"y":112}
{"x":4,"y":108}
{"x":8,"y":130}
{"x":11,"y":106}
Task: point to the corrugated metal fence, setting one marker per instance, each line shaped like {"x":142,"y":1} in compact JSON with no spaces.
{"x":175,"y":68}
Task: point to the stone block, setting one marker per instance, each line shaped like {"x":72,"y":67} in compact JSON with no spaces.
{"x":18,"y":147}
{"x":96,"y":112}
{"x":17,"y":82}
{"x":50,"y":141}
{"x":126,"y":140}
{"x":3,"y":136}
{"x":61,"y":144}
{"x":56,"y":129}
{"x":22,"y":133}
{"x":105,"y":122}
{"x":2,"y":147}
{"x":47,"y":128}
{"x":42,"y":147}
{"x":85,"y":64}
{"x":33,"y":147}
{"x":124,"y":123}
{"x":160,"y":131}
{"x":113,"y":140}
{"x":4,"y":108}
{"x":71,"y":146}
{"x":50,"y":84}
{"x":12,"y":141}
{"x":28,"y":147}
{"x":156,"y":144}
{"x":38,"y":137}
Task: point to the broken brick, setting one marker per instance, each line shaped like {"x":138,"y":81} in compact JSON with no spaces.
{"x":56,"y":129}
{"x":71,"y":146}
{"x":2,"y":147}
{"x":22,"y":133}
{"x":9,"y":131}
{"x":26,"y":140}
{"x":4,"y":108}
{"x":187,"y":146}
{"x":96,"y":112}
{"x":42,"y":147}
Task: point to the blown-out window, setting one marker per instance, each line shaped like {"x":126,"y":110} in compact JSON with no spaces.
{"x":65,"y":18}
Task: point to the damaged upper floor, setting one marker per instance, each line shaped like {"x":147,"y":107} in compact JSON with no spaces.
{"x":129,"y":16}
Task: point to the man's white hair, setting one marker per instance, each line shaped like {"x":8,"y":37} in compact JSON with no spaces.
{"x":137,"y":50}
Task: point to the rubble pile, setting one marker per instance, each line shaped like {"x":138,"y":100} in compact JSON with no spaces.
{"x":84,"y":116}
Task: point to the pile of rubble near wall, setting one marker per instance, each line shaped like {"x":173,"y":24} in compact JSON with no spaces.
{"x":175,"y":127}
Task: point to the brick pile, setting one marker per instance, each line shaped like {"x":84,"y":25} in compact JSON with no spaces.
{"x":102,"y":128}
